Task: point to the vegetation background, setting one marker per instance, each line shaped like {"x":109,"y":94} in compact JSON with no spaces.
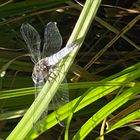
{"x":103,"y":81}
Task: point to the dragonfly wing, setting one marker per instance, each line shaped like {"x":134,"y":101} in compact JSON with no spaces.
{"x":60,"y":99}
{"x":32,"y":39}
{"x":37,"y":125}
{"x":52,"y":40}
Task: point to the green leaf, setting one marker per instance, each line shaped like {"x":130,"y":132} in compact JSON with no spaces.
{"x":127,"y":119}
{"x":105,"y":111}
{"x":43,"y":99}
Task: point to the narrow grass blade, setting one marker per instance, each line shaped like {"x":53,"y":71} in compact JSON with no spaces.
{"x":127,"y":119}
{"x":105,"y":111}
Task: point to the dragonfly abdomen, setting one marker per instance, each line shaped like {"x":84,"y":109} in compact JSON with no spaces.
{"x":55,"y":58}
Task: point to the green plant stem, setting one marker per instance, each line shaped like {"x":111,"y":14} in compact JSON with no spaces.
{"x":3,"y":4}
{"x":48,"y":91}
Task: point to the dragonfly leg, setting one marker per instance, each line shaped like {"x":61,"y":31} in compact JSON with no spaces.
{"x":58,"y":71}
{"x":52,"y":77}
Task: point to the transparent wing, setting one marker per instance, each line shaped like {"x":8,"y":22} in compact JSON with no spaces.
{"x":39,"y":82}
{"x":36,"y":124}
{"x":60,"y":99}
{"x":32,"y":39}
{"x":52,"y":40}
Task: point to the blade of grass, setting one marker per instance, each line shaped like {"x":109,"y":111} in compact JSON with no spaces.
{"x":6,"y":66}
{"x":43,"y":99}
{"x":80,"y":85}
{"x":133,"y":107}
{"x":127,"y":119}
{"x":113,"y":29}
{"x":105,"y":111}
{"x":3,"y":4}
{"x":89,"y":11}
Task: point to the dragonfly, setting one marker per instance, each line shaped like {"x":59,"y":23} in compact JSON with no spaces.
{"x":46,"y":60}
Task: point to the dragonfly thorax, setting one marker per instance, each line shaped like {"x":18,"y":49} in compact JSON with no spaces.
{"x":41,"y":71}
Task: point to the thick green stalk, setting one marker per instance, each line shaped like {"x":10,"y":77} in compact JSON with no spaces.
{"x":49,"y":89}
